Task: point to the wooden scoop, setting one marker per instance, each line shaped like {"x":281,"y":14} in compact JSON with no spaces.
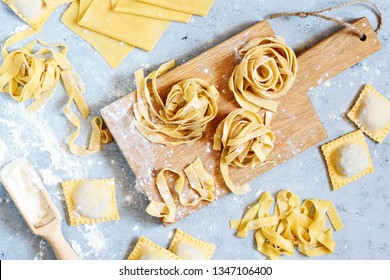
{"x":37,"y":208}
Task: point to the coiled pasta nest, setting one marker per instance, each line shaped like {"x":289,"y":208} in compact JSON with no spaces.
{"x":182,"y":117}
{"x":266,"y":72}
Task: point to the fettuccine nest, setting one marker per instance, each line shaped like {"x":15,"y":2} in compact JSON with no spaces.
{"x":266,"y":72}
{"x":245,"y":141}
{"x":182,"y":117}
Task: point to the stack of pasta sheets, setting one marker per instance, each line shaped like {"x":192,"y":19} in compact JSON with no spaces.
{"x":115,"y":27}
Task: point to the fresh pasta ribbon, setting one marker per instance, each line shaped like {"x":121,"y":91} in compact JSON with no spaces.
{"x":245,"y":141}
{"x":182,"y":117}
{"x":292,"y":225}
{"x":266,"y":72}
{"x":26,"y":75}
{"x":199,"y":180}
{"x":167,"y":209}
{"x":250,"y":222}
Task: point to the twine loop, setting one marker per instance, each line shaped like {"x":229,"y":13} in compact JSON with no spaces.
{"x":302,"y":14}
{"x":351,"y":27}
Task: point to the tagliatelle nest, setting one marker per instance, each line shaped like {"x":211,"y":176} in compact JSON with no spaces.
{"x":266,"y":72}
{"x":182,"y":117}
{"x":245,"y":141}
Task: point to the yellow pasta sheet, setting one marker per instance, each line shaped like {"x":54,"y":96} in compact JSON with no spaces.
{"x":143,"y":9}
{"x":112,"y":50}
{"x":138,"y":31}
{"x":197,"y":7}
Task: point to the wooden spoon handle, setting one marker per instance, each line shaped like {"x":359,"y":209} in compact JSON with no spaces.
{"x":60,"y":246}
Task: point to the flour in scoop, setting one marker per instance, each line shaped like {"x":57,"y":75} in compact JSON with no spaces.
{"x":26,"y":187}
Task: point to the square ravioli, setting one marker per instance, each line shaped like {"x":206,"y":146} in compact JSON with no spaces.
{"x":90,"y":201}
{"x":34,"y":12}
{"x":347,"y":159}
{"x":189,"y":248}
{"x":371,"y":113}
{"x":146,"y":249}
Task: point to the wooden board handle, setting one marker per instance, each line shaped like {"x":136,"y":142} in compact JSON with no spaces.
{"x":350,"y":50}
{"x":60,"y":246}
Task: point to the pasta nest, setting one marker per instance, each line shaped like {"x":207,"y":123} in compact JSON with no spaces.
{"x":245,"y":141}
{"x":266,"y":72}
{"x":26,"y":76}
{"x":182,"y":118}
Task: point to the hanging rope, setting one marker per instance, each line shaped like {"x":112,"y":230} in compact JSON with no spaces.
{"x":319,"y":14}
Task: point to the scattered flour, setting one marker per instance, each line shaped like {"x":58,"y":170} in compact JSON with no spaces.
{"x":365,"y":67}
{"x":129,"y":199}
{"x":259,"y":192}
{"x":48,"y":178}
{"x":138,"y":187}
{"x":208,"y":148}
{"x":3,"y":150}
{"x":340,"y":116}
{"x":327,"y":84}
{"x":42,"y":250}
{"x":77,"y":248}
{"x":19,"y":28}
{"x":41,"y":137}
{"x":95,"y":240}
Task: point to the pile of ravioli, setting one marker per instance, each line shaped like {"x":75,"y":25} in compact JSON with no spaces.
{"x":183,"y":247}
{"x":114,"y":27}
{"x":348,"y":157}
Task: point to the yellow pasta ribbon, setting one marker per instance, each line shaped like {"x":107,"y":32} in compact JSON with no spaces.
{"x":245,"y":141}
{"x":266,"y":72}
{"x":292,"y":225}
{"x":167,"y":209}
{"x":184,"y":114}
{"x":27,"y":75}
{"x":199,"y":180}
{"x":250,"y":222}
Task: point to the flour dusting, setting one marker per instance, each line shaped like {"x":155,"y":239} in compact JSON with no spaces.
{"x":3,"y":150}
{"x":95,"y":239}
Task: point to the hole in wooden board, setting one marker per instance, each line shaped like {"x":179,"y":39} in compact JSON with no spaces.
{"x":363,"y":38}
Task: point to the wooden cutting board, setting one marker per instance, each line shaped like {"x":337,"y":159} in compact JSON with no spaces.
{"x":296,"y":124}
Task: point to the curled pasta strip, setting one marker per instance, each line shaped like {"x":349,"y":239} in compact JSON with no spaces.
{"x":295,"y":225}
{"x":266,"y":72}
{"x":167,"y":209}
{"x":199,"y":180}
{"x":26,"y":75}
{"x":256,"y":217}
{"x":182,"y":117}
{"x":245,"y":141}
